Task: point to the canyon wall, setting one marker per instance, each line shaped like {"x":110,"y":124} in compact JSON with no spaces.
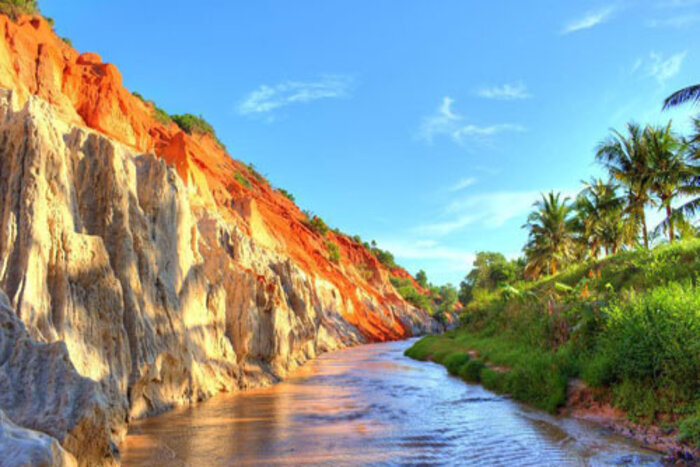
{"x":137,"y":275}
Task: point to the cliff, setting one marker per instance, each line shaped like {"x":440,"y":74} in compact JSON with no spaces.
{"x":139,"y":272}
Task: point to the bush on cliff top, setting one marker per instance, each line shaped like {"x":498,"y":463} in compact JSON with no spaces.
{"x":15,"y":8}
{"x":191,"y":124}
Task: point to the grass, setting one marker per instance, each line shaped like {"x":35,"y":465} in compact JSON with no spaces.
{"x":631,"y":329}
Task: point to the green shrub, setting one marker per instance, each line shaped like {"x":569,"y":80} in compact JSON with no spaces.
{"x":689,"y":430}
{"x":409,"y":293}
{"x":385,"y":257}
{"x":454,"y":362}
{"x":286,"y":194}
{"x":316,"y":224}
{"x":242,"y":180}
{"x":67,"y":41}
{"x":492,"y":379}
{"x":471,"y":371}
{"x":253,"y":171}
{"x":15,"y":8}
{"x":192,"y":124}
{"x":333,"y":252}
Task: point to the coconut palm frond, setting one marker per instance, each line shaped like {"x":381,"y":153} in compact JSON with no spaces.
{"x":690,"y":93}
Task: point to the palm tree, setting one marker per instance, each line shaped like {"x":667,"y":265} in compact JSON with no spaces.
{"x":598,"y":217}
{"x":627,"y":160}
{"x":671,"y":173}
{"x":690,"y":93}
{"x":551,"y":239}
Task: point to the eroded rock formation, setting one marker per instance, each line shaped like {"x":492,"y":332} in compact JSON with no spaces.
{"x":139,"y":276}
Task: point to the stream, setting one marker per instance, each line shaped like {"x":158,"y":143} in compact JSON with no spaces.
{"x":370,"y":405}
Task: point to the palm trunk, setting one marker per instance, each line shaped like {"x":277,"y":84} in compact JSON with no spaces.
{"x":554,"y":266}
{"x":645,"y":234}
{"x":671,"y":233}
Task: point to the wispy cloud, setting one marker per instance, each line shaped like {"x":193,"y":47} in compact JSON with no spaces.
{"x":675,"y":22}
{"x":475,"y":131}
{"x":268,"y":98}
{"x":462,"y":184}
{"x":451,"y":259}
{"x":589,"y":20}
{"x":505,"y":92}
{"x":662,"y":69}
{"x":442,"y":122}
{"x":445,"y":122}
{"x":485,"y":210}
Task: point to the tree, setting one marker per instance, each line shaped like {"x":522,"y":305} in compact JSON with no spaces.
{"x":689,"y":94}
{"x":671,"y":173}
{"x":448,"y":298}
{"x":551,"y":240}
{"x":627,"y":160}
{"x":598,"y":211}
{"x":422,"y":278}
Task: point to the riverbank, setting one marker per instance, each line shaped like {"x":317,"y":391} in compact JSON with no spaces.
{"x":627,"y":327}
{"x":545,"y":390}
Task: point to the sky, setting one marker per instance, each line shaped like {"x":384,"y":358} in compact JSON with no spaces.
{"x":428,"y":126}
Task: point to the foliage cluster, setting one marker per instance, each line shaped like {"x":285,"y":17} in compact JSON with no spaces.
{"x":15,"y":8}
{"x":333,"y":252}
{"x":193,"y":124}
{"x":240,"y":178}
{"x":286,"y":194}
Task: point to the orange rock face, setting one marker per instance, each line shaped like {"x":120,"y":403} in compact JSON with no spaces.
{"x":86,"y":91}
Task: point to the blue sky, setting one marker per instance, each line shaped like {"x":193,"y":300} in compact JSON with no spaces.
{"x":430,"y":127}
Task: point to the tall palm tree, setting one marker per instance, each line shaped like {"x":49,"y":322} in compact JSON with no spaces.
{"x":598,"y":217}
{"x":671,"y":173}
{"x":627,"y":160}
{"x":551,"y":239}
{"x":690,"y":93}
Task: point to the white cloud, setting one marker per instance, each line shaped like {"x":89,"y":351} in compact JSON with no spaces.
{"x":442,"y":122}
{"x":452,"y":259}
{"x":445,"y":122}
{"x":505,"y":92}
{"x":589,"y":20}
{"x":463,"y":183}
{"x":477,"y":132}
{"x":662,"y":68}
{"x":487,"y":210}
{"x":267,"y":98}
{"x":675,"y":22}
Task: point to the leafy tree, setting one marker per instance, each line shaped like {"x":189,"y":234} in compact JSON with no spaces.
{"x":551,"y":240}
{"x":671,"y":173}
{"x":626,"y":158}
{"x":598,"y":211}
{"x":422,"y":278}
{"x":448,"y":298}
{"x":682,"y":96}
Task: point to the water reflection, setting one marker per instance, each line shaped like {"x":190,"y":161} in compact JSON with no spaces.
{"x":371,"y":405}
